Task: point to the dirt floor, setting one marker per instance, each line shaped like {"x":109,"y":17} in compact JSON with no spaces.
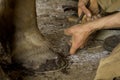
{"x":52,"y":20}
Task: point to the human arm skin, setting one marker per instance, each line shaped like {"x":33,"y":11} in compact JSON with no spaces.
{"x":109,"y":22}
{"x":81,"y":32}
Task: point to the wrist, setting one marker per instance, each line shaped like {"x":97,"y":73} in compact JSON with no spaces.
{"x":92,"y":27}
{"x":97,"y":24}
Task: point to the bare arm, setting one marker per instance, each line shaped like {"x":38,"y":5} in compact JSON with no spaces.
{"x":81,"y":32}
{"x":109,"y":22}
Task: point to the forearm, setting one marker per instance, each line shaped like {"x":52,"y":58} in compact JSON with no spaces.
{"x":109,"y":22}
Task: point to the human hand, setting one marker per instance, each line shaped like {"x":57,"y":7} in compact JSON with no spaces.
{"x":82,"y":8}
{"x":80,"y":34}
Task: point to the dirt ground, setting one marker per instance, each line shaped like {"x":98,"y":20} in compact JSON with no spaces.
{"x":52,"y":20}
